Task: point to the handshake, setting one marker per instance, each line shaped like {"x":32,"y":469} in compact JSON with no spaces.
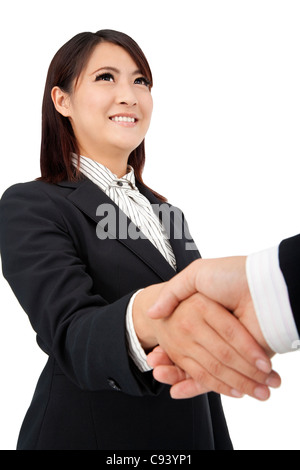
{"x":208,"y":333}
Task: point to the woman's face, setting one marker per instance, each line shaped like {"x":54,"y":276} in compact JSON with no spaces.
{"x":111,"y":105}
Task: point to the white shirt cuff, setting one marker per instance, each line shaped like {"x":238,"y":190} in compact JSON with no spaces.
{"x":135,"y":350}
{"x":271,"y":300}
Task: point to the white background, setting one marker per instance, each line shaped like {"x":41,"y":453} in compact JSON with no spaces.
{"x":223,"y":145}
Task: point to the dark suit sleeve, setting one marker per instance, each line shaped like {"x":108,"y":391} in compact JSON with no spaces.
{"x":289,"y":259}
{"x":84,"y":333}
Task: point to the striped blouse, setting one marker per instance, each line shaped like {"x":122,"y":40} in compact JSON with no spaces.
{"x":138,"y":209}
{"x":126,"y":195}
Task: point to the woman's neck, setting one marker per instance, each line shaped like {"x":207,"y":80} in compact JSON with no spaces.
{"x":116,"y":165}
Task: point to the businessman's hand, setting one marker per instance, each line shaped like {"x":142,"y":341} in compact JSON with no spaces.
{"x":184,"y":386}
{"x":207,"y":342}
{"x":223,"y":280}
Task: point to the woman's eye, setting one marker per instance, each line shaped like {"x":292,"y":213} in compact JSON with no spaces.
{"x":142,"y":81}
{"x":105,"y":77}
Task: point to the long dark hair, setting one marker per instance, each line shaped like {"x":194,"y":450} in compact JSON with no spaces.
{"x":58,"y":139}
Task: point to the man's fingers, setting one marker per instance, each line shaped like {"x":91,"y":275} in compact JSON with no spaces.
{"x":226,"y":382}
{"x":209,"y":344}
{"x":184,"y":386}
{"x":238,"y":337}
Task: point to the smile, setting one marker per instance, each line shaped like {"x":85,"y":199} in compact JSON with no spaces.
{"x":123,"y":119}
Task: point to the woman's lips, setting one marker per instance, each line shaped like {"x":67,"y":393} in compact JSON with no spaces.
{"x":126,"y":120}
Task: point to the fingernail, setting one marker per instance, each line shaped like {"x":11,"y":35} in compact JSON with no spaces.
{"x":264,"y":366}
{"x":261,"y":393}
{"x":273,"y":382}
{"x":153,"y":310}
{"x":236,"y":394}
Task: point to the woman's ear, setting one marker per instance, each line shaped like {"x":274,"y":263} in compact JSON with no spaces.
{"x":61,"y":101}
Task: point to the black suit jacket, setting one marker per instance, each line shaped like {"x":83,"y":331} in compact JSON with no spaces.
{"x":75,"y":289}
{"x":289,"y":259}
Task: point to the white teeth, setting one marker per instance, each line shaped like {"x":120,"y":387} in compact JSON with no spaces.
{"x":123,"y":119}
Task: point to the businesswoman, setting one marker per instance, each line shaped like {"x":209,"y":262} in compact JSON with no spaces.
{"x":81,"y":281}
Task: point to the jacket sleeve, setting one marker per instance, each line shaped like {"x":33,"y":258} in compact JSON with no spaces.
{"x":289,"y":259}
{"x":82,"y":331}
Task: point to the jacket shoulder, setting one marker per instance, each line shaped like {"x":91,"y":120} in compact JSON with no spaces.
{"x":23,"y":189}
{"x":36,"y":190}
{"x":25,"y":201}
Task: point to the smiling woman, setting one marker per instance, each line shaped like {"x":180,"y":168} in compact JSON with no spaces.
{"x":103,"y":106}
{"x":87,"y":296}
{"x":67,"y":69}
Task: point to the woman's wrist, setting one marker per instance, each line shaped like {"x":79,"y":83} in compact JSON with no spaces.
{"x":143,"y":324}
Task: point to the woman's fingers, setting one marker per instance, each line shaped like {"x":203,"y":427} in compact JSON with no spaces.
{"x":183,"y":386}
{"x":170,"y":374}
{"x":188,"y":389}
{"x":158,"y":357}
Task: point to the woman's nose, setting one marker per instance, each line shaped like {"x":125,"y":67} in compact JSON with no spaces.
{"x":126,"y":96}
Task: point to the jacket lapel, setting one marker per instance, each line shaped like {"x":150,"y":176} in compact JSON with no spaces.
{"x":181,"y":244}
{"x":87,"y":197}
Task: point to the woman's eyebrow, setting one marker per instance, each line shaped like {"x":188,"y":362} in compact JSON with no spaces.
{"x":114,"y":69}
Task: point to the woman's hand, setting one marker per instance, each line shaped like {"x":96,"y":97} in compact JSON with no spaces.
{"x":209,"y":347}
